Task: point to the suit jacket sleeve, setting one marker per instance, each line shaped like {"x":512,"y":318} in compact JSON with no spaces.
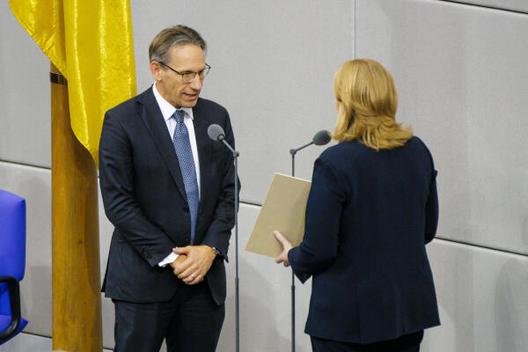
{"x":431,"y":210}
{"x":116,"y":177}
{"x":319,"y":247}
{"x":219,"y":230}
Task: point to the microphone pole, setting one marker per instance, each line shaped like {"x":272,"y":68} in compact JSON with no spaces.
{"x":216,"y":133}
{"x":320,"y":138}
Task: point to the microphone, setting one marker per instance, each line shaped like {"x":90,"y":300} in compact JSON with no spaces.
{"x":217,"y":134}
{"x":320,"y":138}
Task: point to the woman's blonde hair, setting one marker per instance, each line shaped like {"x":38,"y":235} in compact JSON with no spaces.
{"x":366,"y":103}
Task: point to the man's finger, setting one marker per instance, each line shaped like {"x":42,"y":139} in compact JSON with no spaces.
{"x":193,"y":279}
{"x":192,"y":270}
{"x":182,"y":250}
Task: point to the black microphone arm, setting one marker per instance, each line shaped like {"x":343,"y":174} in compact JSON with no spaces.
{"x":320,"y":138}
{"x":217,"y":134}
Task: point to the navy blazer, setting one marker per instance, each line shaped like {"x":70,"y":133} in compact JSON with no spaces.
{"x":368,"y":218}
{"x":144,"y":198}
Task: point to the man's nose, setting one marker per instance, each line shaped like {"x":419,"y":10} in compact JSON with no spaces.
{"x":197,"y":83}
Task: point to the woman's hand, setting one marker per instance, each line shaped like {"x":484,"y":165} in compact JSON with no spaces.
{"x":286,"y":246}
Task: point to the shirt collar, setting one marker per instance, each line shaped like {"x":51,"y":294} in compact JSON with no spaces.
{"x":167,"y":109}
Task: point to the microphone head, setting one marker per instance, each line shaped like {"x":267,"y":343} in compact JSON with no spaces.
{"x":215,"y":132}
{"x":321,"y":137}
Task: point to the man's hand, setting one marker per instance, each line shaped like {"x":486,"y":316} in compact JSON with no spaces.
{"x":179,"y":259}
{"x":196,"y":262}
{"x":286,"y":246}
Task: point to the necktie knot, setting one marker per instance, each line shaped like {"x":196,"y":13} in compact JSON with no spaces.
{"x":178,"y":116}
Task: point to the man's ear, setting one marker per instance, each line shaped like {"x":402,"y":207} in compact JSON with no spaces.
{"x":155,"y":70}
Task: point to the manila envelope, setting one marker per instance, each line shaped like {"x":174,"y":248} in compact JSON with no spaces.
{"x":283,"y":210}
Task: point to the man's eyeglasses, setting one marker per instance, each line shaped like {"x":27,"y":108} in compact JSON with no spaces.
{"x":189,"y":76}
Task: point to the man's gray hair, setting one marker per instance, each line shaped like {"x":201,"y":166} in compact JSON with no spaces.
{"x":171,"y":37}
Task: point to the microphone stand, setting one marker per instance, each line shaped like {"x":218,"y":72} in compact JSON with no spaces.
{"x":216,"y":133}
{"x":236,"y":154}
{"x":237,"y":295}
{"x":292,"y":153}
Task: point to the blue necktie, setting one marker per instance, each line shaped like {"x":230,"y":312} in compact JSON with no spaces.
{"x":185,"y":157}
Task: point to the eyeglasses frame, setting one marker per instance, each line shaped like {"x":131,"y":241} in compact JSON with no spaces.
{"x":203,"y":72}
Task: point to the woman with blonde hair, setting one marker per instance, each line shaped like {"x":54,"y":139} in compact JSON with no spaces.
{"x":372,"y":208}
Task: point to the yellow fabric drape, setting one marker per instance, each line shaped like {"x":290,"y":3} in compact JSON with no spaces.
{"x":90,"y":42}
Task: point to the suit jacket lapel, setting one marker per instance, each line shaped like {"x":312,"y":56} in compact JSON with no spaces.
{"x":153,"y":119}
{"x":203,"y":143}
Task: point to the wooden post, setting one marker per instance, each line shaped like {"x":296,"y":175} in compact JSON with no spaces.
{"x":75,"y":233}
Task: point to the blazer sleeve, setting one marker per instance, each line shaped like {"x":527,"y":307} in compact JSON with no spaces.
{"x":219,"y":231}
{"x":431,"y":210}
{"x":319,"y":247}
{"x":117,"y":188}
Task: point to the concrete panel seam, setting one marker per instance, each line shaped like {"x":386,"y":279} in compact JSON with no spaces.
{"x":34,"y":334}
{"x":354,"y":35}
{"x":18,"y":163}
{"x":497,"y":8}
{"x":465,"y":243}
{"x":244,"y":202}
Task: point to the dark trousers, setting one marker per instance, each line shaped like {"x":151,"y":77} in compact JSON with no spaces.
{"x":405,"y":343}
{"x":190,"y":321}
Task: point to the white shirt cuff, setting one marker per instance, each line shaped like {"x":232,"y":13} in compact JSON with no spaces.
{"x":168,"y":260}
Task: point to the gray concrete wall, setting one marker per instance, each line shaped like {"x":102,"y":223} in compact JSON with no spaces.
{"x":461,"y":72}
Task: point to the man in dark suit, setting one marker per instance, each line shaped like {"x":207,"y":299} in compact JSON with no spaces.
{"x":169,"y":191}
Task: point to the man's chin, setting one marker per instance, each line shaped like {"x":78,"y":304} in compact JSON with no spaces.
{"x":189,"y":103}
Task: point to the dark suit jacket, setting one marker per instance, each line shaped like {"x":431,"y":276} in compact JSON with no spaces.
{"x":144,"y":198}
{"x":369,"y":215}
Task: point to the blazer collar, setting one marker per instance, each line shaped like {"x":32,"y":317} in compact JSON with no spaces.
{"x":153,"y":119}
{"x":201,"y":122}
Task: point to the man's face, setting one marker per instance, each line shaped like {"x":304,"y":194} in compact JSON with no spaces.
{"x":184,"y":59}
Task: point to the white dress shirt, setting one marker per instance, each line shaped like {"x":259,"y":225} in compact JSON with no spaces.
{"x":167,"y":110}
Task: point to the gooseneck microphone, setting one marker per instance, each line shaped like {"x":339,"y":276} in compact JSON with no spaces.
{"x":320,"y":138}
{"x":217,"y":134}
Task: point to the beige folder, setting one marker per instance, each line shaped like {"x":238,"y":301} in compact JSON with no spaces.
{"x":283,"y":210}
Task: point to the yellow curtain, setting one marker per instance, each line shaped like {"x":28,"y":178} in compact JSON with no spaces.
{"x":90,"y":42}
